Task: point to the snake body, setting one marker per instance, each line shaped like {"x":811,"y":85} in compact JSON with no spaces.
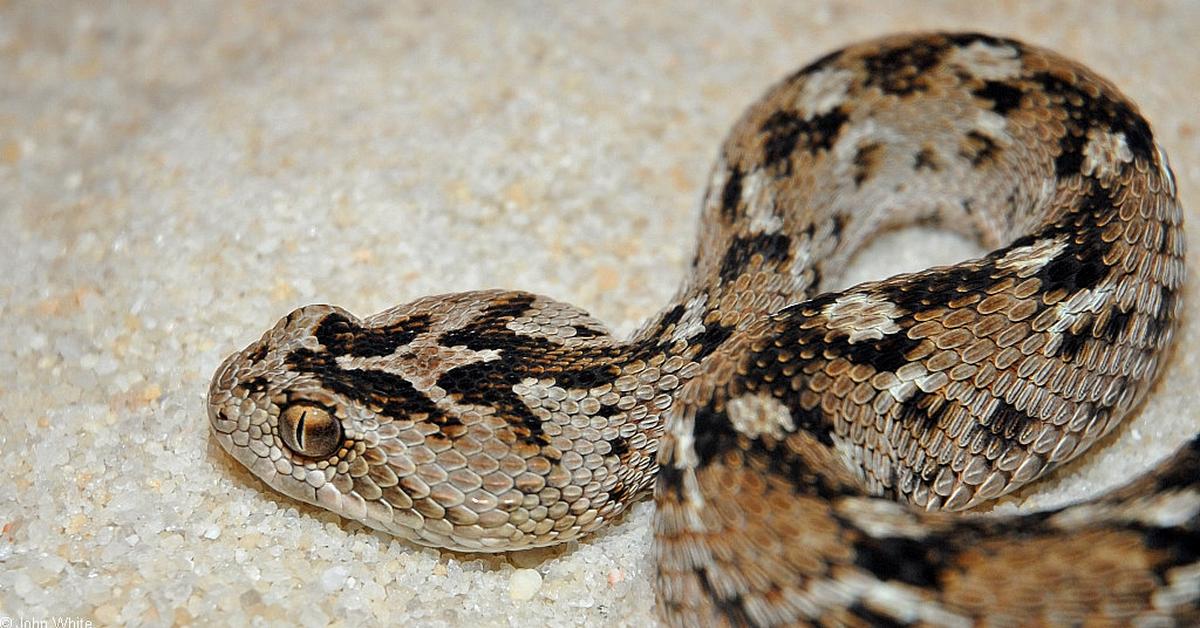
{"x":807,"y":444}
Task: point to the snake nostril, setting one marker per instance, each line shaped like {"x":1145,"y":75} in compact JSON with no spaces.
{"x":219,"y":420}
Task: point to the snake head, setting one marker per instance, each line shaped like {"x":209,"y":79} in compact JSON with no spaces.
{"x":452,"y":421}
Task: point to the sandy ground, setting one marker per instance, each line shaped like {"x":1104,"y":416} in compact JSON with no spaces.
{"x":176,"y":176}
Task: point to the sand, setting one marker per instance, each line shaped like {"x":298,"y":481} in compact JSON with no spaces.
{"x":177,"y":176}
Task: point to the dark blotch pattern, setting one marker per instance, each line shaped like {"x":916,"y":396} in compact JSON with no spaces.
{"x":709,"y":340}
{"x":865,"y":160}
{"x":715,"y":435}
{"x":785,"y":131}
{"x":1117,"y":323}
{"x":771,"y":247}
{"x":979,"y":148}
{"x":1006,"y":422}
{"x":1003,"y":96}
{"x":341,"y":337}
{"x":488,"y":331}
{"x":774,"y":382}
{"x":731,"y":608}
{"x":489,"y":385}
{"x":923,"y":411}
{"x":1161,"y":322}
{"x":839,"y":225}
{"x":672,"y":316}
{"x":587,"y":332}
{"x":386,"y":393}
{"x":939,"y":287}
{"x":911,"y":561}
{"x":255,"y":384}
{"x":1080,"y":266}
{"x":1181,"y":473}
{"x":520,"y":356}
{"x":1177,"y":546}
{"x":670,"y":479}
{"x":619,"y":446}
{"x":485,"y":383}
{"x":587,"y":377}
{"x":885,"y":354}
{"x":731,"y":195}
{"x":926,"y":159}
{"x":258,"y":354}
{"x":1072,"y":344}
{"x":1085,"y":112}
{"x":920,"y":562}
{"x":901,"y":70}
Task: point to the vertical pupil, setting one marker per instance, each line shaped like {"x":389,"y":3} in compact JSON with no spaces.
{"x":309,"y":430}
{"x":300,"y":429}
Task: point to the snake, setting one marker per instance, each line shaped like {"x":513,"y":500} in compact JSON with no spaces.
{"x":809,"y":450}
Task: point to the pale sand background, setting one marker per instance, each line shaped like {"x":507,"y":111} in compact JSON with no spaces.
{"x":174,"y":179}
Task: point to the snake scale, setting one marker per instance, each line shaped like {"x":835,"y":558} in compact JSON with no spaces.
{"x":804,"y":446}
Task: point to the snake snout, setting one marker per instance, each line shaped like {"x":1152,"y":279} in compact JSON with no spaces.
{"x":219,"y":390}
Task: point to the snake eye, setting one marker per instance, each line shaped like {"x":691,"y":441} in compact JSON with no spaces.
{"x":310,"y":430}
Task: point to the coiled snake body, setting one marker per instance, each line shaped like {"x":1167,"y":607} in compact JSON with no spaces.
{"x":806,"y":444}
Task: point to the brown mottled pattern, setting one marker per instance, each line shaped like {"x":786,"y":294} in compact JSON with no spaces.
{"x":807,"y":445}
